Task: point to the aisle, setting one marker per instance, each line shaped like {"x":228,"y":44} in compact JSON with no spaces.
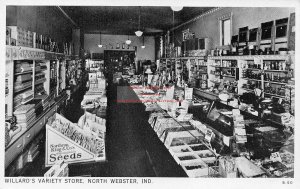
{"x":132,"y":147}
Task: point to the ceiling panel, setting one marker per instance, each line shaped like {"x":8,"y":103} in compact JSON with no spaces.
{"x":124,"y":20}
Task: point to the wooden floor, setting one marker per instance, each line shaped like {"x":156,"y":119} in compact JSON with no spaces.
{"x":133,"y":149}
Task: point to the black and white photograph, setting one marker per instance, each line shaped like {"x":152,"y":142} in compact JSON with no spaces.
{"x":149,"y":93}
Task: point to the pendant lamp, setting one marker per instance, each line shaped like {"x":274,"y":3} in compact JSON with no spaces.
{"x":143,"y":46}
{"x":128,"y":41}
{"x":176,"y":8}
{"x":100,"y":45}
{"x":139,"y":33}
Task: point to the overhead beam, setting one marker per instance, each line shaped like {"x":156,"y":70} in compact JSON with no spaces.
{"x":67,"y":16}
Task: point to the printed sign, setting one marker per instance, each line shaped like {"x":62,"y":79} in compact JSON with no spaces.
{"x":59,"y":147}
{"x":188,"y":94}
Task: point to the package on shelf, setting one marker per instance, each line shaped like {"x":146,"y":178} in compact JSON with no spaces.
{"x":18,"y":34}
{"x":21,"y":67}
{"x":25,"y":115}
{"x":24,"y":77}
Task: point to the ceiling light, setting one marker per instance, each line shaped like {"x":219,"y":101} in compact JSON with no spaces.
{"x":143,"y":46}
{"x":176,"y":8}
{"x":100,"y":45}
{"x":148,"y":71}
{"x":128,"y":41}
{"x":139,"y":33}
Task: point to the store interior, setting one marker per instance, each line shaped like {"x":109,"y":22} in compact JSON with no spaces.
{"x":149,"y":91}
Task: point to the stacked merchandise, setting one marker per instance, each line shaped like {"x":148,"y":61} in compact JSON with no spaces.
{"x":37,"y":106}
{"x":43,"y":66}
{"x":25,"y":115}
{"x":22,"y":81}
{"x":22,"y":98}
{"x":45,"y":100}
{"x":39,"y":78}
{"x":22,"y":67}
{"x":39,"y":89}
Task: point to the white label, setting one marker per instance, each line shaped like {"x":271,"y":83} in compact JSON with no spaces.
{"x":275,"y":157}
{"x":208,"y":135}
{"x":293,"y":29}
{"x":226,"y":140}
{"x":188,"y":94}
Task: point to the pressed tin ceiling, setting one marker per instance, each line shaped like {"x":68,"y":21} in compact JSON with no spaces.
{"x":124,"y":19}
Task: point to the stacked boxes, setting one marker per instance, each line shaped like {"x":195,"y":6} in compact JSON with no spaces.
{"x":19,"y":36}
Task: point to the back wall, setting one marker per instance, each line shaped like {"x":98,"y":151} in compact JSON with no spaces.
{"x":91,"y":42}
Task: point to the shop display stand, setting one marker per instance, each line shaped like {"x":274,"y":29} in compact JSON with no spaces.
{"x":62,"y":147}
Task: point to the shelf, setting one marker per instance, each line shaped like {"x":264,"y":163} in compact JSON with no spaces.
{"x":276,"y":70}
{"x":41,"y":70}
{"x":252,"y":79}
{"x":216,"y":82}
{"x":275,"y":95}
{"x":224,"y":75}
{"x":250,"y":57}
{"x":37,"y":82}
{"x":228,"y":76}
{"x":202,"y":72}
{"x":231,"y":85}
{"x":224,"y":67}
{"x":274,"y":82}
{"x":19,"y":90}
{"x":255,"y":69}
{"x":22,"y":73}
{"x":28,"y":53}
{"x":251,"y":90}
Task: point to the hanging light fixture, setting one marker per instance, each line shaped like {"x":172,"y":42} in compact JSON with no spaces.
{"x":100,"y":44}
{"x":139,"y":33}
{"x":143,"y":46}
{"x":128,"y":41}
{"x":176,"y":8}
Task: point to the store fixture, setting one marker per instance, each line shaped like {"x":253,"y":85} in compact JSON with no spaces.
{"x":34,"y":93}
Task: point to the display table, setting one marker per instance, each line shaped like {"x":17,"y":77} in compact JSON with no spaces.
{"x":195,"y":131}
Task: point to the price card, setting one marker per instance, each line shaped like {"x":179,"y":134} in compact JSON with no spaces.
{"x":226,"y":140}
{"x":208,"y":135}
{"x":188,"y":93}
{"x":275,"y":157}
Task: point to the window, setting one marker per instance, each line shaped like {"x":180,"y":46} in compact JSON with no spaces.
{"x":225,"y":32}
{"x":225,"y":29}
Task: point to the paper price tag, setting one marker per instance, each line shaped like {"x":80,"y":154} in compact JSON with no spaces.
{"x":188,"y":94}
{"x":275,"y":157}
